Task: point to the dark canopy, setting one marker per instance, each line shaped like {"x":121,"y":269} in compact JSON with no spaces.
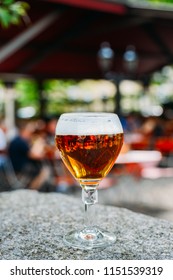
{"x":61,"y":38}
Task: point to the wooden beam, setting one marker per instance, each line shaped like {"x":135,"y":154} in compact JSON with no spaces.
{"x":22,"y":39}
{"x":60,"y":42}
{"x":156,"y":38}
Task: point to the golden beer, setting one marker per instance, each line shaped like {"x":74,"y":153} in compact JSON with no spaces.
{"x":89,"y":144}
{"x":89,"y":156}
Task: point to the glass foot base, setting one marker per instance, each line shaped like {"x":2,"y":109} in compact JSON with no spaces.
{"x":89,"y":238}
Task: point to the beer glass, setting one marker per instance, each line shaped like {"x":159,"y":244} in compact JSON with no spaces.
{"x":89,"y":144}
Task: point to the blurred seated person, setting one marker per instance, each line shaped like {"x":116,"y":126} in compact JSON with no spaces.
{"x":50,"y":129}
{"x":27,"y":160}
{"x":3,"y":140}
{"x":3,"y":145}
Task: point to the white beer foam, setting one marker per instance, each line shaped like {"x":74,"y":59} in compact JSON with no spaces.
{"x":88,"y":124}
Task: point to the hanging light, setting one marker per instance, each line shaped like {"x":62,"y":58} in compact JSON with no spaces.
{"x":130,"y":58}
{"x":105,"y":57}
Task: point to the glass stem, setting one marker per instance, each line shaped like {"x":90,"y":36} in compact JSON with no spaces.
{"x":89,"y":197}
{"x":89,"y":215}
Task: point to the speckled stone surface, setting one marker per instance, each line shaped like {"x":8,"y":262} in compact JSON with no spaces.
{"x":32,"y":225}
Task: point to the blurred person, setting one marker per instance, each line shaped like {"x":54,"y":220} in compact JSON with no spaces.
{"x":3,"y":139}
{"x":153,"y":129}
{"x":4,"y":184}
{"x":133,"y":123}
{"x":27,"y":159}
{"x":65,"y":183}
{"x":50,"y":127}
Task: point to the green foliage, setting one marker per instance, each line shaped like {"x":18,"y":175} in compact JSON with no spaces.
{"x":57,"y":101}
{"x":11,"y":12}
{"x":60,"y":85}
{"x":27,"y":93}
{"x":1,"y":84}
{"x":161,"y":1}
{"x":54,"y":95}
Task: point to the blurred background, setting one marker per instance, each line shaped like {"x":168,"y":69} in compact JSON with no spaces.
{"x":96,"y":55}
